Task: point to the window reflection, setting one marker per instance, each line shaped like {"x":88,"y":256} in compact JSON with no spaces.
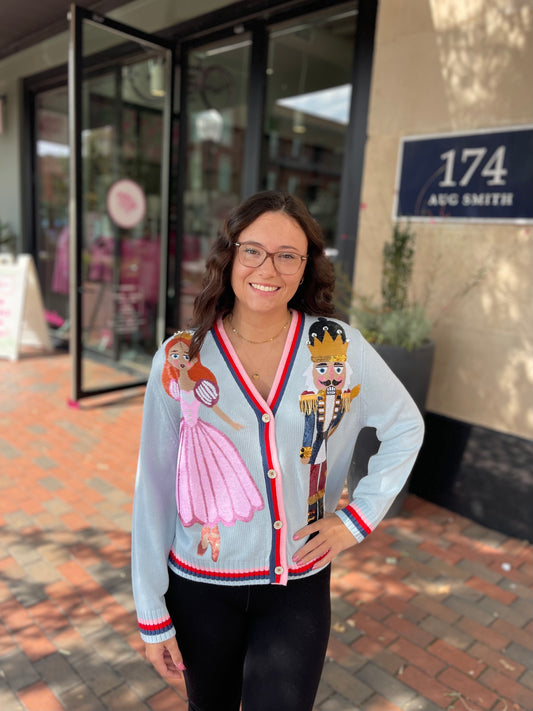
{"x":216,"y":115}
{"x":307,"y":109}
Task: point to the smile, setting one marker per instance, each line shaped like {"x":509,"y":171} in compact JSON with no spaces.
{"x":263,"y":287}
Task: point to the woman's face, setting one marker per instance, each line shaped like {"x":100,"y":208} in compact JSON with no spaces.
{"x":263,"y":289}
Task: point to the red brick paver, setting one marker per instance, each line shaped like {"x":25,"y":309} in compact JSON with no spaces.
{"x":431,"y":611}
{"x":38,"y":697}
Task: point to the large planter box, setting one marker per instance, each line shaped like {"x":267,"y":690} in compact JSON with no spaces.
{"x":413,"y":368}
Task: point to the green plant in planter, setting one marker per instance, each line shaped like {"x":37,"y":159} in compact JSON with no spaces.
{"x":400,"y":331}
{"x":395,"y":322}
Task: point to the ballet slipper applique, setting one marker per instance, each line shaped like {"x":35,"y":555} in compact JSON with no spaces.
{"x":210,"y":536}
{"x":214,"y":542}
{"x":204,"y":540}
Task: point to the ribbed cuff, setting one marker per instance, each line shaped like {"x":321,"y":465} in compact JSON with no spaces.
{"x":155,"y":627}
{"x":355,"y":522}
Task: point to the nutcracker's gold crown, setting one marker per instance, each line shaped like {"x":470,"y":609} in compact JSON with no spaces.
{"x":329,"y":349}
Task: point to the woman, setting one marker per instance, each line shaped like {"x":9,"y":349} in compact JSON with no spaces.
{"x":251,"y":624}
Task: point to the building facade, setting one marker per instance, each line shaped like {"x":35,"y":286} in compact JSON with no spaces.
{"x":321,"y":99}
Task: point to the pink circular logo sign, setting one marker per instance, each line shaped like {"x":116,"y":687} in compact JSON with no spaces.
{"x":126,"y":203}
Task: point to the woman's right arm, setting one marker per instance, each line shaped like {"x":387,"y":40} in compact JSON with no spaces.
{"x":154,"y":512}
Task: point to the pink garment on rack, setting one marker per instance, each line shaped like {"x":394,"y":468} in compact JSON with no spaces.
{"x":60,"y":276}
{"x":101,"y":260}
{"x":140,"y":266}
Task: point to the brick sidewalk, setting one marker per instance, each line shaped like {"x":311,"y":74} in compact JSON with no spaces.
{"x":431,"y":612}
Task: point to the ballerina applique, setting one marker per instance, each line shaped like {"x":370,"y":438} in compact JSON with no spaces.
{"x":213,"y":484}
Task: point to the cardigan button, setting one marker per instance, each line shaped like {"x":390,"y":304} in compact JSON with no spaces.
{"x":265,"y":417}
{"x":272,"y":473}
{"x":278,"y":525}
{"x":278,"y":570}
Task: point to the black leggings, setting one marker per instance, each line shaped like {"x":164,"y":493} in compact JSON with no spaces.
{"x":265,"y":644}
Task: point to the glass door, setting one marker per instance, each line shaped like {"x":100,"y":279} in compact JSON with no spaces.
{"x":120,"y":93}
{"x":216,"y":114}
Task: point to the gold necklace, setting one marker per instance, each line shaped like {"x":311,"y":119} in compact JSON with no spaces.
{"x":259,"y":343}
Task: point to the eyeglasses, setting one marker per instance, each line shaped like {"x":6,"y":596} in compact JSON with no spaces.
{"x":253,"y":255}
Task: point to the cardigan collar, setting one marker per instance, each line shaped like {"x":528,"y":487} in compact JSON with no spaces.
{"x":284,"y":369}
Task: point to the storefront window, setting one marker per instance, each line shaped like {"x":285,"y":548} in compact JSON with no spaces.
{"x":307,"y":109}
{"x":308,"y":93}
{"x":120,"y":139}
{"x":216,"y":116}
{"x":52,"y":190}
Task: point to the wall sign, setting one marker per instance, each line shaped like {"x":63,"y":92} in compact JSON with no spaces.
{"x":487,"y":175}
{"x":126,"y":203}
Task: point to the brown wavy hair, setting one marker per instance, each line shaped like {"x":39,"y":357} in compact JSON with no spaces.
{"x":314,"y":296}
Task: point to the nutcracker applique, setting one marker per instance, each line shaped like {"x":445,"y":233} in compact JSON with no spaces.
{"x":325,"y":406}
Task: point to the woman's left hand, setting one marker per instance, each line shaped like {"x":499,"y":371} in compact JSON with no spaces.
{"x":332,"y":538}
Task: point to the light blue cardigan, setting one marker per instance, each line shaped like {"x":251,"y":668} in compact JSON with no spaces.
{"x":244,"y":465}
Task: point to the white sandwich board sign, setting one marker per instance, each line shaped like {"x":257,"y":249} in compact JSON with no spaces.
{"x":22,"y":320}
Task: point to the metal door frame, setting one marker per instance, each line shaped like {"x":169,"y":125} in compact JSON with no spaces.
{"x":79,"y":16}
